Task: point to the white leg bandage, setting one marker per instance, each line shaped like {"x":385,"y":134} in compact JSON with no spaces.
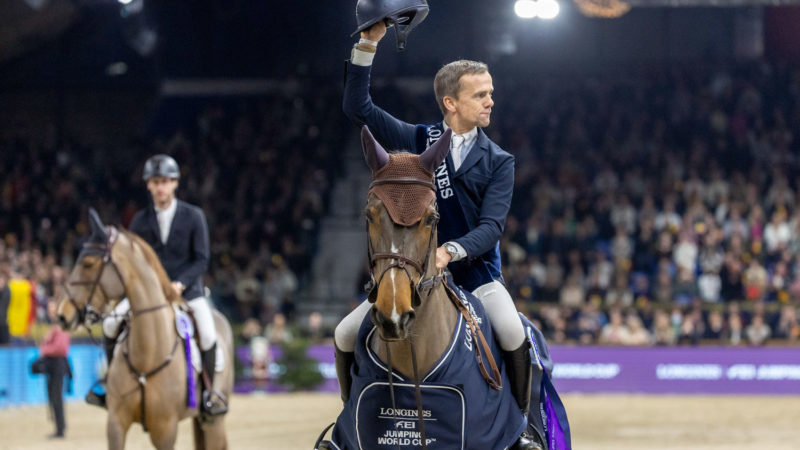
{"x":205,"y":322}
{"x":346,"y":332}
{"x":502,"y":313}
{"x":113,"y":321}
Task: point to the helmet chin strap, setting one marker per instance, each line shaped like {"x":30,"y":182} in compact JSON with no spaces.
{"x":401,"y":30}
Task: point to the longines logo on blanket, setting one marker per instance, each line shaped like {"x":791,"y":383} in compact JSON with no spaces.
{"x":391,"y":413}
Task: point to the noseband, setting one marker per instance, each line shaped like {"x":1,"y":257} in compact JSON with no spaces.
{"x":397,"y":260}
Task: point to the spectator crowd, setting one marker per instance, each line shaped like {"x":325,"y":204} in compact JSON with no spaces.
{"x":655,"y":208}
{"x":260,"y":167}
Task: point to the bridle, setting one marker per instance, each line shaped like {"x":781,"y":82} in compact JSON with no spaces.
{"x":89,"y":312}
{"x":104,"y":250}
{"x":397,"y":260}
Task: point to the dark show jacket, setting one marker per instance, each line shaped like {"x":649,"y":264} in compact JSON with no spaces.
{"x":185,"y":255}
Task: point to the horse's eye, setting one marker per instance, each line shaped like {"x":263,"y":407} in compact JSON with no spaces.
{"x":431,"y":219}
{"x":87,"y":264}
{"x":368,"y":216}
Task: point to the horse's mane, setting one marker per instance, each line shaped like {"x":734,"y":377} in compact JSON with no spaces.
{"x":152,"y":259}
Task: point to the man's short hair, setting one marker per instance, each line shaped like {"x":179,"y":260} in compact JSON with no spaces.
{"x":448,"y":79}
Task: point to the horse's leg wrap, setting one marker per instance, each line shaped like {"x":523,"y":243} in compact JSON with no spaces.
{"x":344,"y":360}
{"x":520,"y":371}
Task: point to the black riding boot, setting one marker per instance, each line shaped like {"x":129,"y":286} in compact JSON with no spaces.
{"x":214,"y":402}
{"x":97,"y":396}
{"x":343,"y":362}
{"x":520,"y":371}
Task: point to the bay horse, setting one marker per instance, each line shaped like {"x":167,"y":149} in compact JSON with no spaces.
{"x":147,"y":381}
{"x":420,"y":326}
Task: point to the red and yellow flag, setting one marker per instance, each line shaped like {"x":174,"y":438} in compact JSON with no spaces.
{"x":22,"y":308}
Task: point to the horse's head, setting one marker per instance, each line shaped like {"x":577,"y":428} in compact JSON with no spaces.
{"x":401,"y":224}
{"x":94,"y":280}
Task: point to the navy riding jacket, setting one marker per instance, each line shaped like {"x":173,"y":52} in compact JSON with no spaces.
{"x":185,"y":255}
{"x":483,"y":183}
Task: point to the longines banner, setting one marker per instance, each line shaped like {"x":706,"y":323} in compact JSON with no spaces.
{"x":700,"y":370}
{"x":693,"y":370}
{"x":680,"y":370}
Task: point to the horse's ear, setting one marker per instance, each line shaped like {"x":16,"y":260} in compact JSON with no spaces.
{"x":99,"y":233}
{"x":433,"y":157}
{"x":374,"y":153}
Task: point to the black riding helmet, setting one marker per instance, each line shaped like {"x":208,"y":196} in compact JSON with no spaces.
{"x":405,"y":14}
{"x":161,"y":166}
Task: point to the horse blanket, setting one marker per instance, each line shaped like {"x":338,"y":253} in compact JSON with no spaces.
{"x":460,"y":410}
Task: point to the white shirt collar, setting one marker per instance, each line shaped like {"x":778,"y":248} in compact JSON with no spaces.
{"x":169,"y":209}
{"x":469,"y":136}
{"x":164,"y":218}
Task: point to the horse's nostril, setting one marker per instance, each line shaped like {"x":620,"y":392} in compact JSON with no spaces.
{"x":406,"y":318}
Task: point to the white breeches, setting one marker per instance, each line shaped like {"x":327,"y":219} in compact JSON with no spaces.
{"x":347,"y":331}
{"x":502,"y":314}
{"x":199,"y":306}
{"x":496,"y":301}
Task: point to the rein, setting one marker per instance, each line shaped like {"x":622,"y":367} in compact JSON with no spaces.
{"x":494,"y":380}
{"x":417,"y":391}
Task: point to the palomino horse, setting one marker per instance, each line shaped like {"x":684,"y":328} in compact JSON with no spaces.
{"x":425,"y":333}
{"x":147,"y":381}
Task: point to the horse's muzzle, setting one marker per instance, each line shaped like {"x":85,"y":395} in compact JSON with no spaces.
{"x":388,"y":329}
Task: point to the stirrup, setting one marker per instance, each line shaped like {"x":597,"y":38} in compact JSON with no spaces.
{"x":214,"y":403}
{"x":527,"y":442}
{"x":324,"y":444}
{"x":95,"y":398}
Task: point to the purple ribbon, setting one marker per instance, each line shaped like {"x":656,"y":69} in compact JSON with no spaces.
{"x":187,"y":339}
{"x":554,"y":431}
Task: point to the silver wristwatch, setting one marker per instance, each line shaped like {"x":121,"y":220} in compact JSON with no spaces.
{"x":452,"y":249}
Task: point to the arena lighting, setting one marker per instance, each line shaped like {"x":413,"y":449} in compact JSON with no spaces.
{"x":526,"y":9}
{"x":543,"y":9}
{"x":124,"y":2}
{"x":548,"y":9}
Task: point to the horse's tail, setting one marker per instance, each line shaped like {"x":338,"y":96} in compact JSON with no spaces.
{"x":199,"y":436}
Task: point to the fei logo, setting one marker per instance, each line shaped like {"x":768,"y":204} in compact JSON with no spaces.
{"x":405,"y":432}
